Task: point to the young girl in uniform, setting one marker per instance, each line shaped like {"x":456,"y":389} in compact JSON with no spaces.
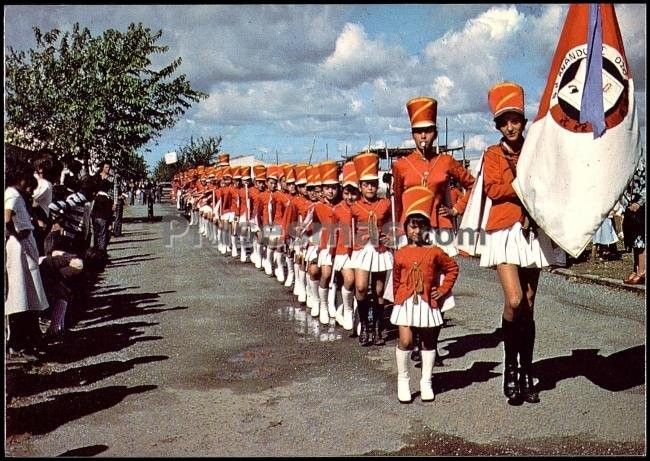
{"x":371,"y":255}
{"x":416,"y":271}
{"x":513,"y":244}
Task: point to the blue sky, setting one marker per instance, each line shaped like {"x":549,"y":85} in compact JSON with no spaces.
{"x":279,"y":76}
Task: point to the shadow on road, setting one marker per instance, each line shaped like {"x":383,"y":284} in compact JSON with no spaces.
{"x":23,"y":383}
{"x":43,"y":417}
{"x":90,"y":450}
{"x":479,"y":372}
{"x":617,"y":372}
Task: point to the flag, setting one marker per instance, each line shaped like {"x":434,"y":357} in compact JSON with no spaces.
{"x":570,"y":174}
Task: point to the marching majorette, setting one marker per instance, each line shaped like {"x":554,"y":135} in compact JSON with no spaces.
{"x":513,"y":243}
{"x":293,"y":218}
{"x":370,"y":254}
{"x":270,"y":211}
{"x":343,"y":252}
{"x":417,"y":293}
{"x":236,"y":206}
{"x":216,"y":206}
{"x":310,"y":243}
{"x":227,"y":209}
{"x":243,"y":222}
{"x":259,"y":177}
{"x":290,"y":194}
{"x":281,"y":200}
{"x":324,"y":218}
{"x":425,"y":166}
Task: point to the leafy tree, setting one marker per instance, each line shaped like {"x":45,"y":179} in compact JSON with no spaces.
{"x":93,"y":98}
{"x":198,"y":152}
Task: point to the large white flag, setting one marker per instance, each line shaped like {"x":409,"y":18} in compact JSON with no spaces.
{"x":582,"y":148}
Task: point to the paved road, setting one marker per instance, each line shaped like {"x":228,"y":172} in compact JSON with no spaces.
{"x":183,"y":352}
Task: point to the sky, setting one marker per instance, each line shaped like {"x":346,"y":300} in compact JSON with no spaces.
{"x":281,"y":76}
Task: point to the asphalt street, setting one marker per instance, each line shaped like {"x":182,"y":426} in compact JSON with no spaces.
{"x":184,"y":352}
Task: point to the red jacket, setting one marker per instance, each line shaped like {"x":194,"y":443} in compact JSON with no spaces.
{"x":497,"y":183}
{"x":415,"y":263}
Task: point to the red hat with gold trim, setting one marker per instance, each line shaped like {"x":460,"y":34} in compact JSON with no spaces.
{"x":506,"y":97}
{"x":227,"y":171}
{"x":422,"y":112}
{"x":313,"y":176}
{"x":259,"y":172}
{"x":367,"y":166}
{"x":236,"y":172}
{"x":417,"y":200}
{"x":301,"y":173}
{"x":245,"y":172}
{"x":289,"y":173}
{"x":273,"y":172}
{"x":224,"y":159}
{"x":329,"y":173}
{"x":350,"y":175}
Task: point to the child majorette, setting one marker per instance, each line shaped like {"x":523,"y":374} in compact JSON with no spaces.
{"x":312,"y":240}
{"x":293,"y":218}
{"x":370,"y":254}
{"x":324,"y":217}
{"x":343,"y":251}
{"x":416,"y":270}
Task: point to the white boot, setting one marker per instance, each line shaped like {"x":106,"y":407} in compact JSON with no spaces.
{"x":296,"y":282}
{"x":242,"y":248}
{"x":267,"y":264}
{"x":233,"y":246}
{"x":339,"y":315}
{"x":426,"y":391}
{"x":256,"y":257}
{"x":301,"y":286}
{"x":348,"y":308}
{"x":289,"y":281}
{"x":331,"y":301}
{"x":322,"y":298}
{"x":215,"y":240}
{"x":219,"y":239}
{"x":279,"y":267}
{"x":315,"y":302}
{"x":403,"y":381}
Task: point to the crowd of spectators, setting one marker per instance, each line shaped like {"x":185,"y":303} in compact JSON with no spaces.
{"x":57,"y":228}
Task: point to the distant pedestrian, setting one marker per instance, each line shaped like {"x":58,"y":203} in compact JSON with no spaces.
{"x":103,"y":207}
{"x":150,"y":198}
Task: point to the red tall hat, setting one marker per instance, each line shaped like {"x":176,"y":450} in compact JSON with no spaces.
{"x":417,"y":200}
{"x":422,"y":112}
{"x":329,"y":173}
{"x":313,"y":176}
{"x":367,"y":166}
{"x":350,"y":175}
{"x":506,"y":97}
{"x":259,"y":172}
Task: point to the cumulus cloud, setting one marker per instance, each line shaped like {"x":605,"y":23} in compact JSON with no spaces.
{"x":356,"y":59}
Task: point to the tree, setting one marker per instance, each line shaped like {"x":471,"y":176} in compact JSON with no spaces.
{"x":93,"y":98}
{"x":200,"y":152}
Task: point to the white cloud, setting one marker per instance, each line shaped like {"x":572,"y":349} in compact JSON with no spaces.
{"x":356,"y":59}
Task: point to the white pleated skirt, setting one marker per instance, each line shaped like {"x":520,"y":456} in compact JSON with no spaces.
{"x":371,"y":260}
{"x":416,"y":314}
{"x":228,"y":217}
{"x":342,"y":262}
{"x":510,"y":246}
{"x":205,"y":209}
{"x":325,"y":258}
{"x":311,"y":255}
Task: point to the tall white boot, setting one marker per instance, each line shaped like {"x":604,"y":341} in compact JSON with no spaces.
{"x":348,"y":308}
{"x":301,"y":286}
{"x":403,"y":359}
{"x":278,"y":258}
{"x":290,"y":274}
{"x":315,"y":302}
{"x":242,"y":248}
{"x":256,"y":257}
{"x":296,"y":284}
{"x":322,"y":304}
{"x":331,"y":301}
{"x":213,"y":226}
{"x":233,"y":246}
{"x":267,"y":264}
{"x":219,"y":241}
{"x":426,"y":391}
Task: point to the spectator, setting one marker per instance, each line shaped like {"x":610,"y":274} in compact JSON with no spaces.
{"x":150,"y":197}
{"x":604,"y":241}
{"x":42,"y":198}
{"x":634,"y":223}
{"x":25,"y":293}
{"x":103,"y":206}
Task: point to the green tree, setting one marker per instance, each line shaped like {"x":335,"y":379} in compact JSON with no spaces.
{"x":202,"y":151}
{"x":93,"y":98}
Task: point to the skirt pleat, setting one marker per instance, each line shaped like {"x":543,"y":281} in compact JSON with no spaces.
{"x":371,"y":260}
{"x":416,"y":314}
{"x":510,"y":246}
